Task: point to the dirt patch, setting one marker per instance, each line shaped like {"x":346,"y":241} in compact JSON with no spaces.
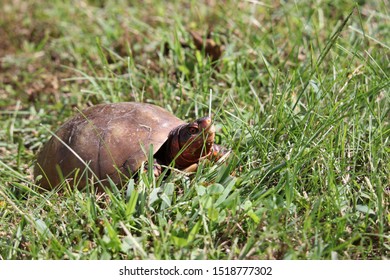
{"x":29,"y":66}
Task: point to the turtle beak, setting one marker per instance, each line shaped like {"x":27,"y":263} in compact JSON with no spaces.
{"x":206,"y":125}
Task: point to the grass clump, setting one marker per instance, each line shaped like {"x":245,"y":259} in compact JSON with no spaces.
{"x":300,"y":96}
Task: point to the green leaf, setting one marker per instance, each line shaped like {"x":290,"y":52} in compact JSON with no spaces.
{"x":213,"y":214}
{"x":247,"y":205}
{"x":225,"y":193}
{"x":215,"y":189}
{"x":166,"y":201}
{"x":200,"y":190}
{"x":167,"y":195}
{"x":179,"y":241}
{"x":364,"y":209}
{"x":153,"y":197}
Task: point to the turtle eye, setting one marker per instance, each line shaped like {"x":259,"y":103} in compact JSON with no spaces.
{"x":193,"y":130}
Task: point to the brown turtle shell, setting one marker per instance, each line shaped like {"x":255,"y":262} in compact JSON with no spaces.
{"x":108,"y":137}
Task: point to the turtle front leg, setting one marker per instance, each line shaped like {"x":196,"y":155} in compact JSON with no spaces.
{"x":157,"y":169}
{"x":218,"y":152}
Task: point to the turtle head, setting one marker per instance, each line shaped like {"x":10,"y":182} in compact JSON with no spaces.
{"x":191,"y":142}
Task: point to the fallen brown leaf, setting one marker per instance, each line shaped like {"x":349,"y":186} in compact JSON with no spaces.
{"x":211,"y":48}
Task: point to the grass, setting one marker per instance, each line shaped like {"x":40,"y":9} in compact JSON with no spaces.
{"x":300,"y":96}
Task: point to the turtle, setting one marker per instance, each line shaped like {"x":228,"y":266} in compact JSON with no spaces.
{"x":114,"y":140}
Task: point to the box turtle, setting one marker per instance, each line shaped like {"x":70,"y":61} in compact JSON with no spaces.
{"x":114,"y":140}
